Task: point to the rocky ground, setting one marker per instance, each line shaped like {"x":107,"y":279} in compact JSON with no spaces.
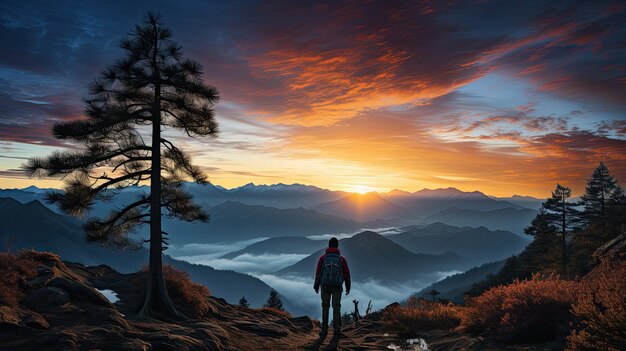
{"x":64,"y":310}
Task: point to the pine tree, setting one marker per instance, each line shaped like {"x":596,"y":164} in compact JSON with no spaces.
{"x":152,"y":85}
{"x":243,"y":302}
{"x":274,"y":300}
{"x":433,"y":293}
{"x":562,"y":214}
{"x":601,"y":187}
{"x":540,"y":253}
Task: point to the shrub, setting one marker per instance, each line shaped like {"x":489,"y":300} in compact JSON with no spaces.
{"x":275,"y":312}
{"x":600,"y":312}
{"x":420,"y":315}
{"x":530,"y":310}
{"x":191,"y":297}
{"x":14,"y":270}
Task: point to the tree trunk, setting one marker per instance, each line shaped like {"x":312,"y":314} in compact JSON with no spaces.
{"x":602,"y":206}
{"x":563,"y":229}
{"x":157,"y":301}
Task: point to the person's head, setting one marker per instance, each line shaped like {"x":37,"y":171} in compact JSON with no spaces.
{"x":333,"y":242}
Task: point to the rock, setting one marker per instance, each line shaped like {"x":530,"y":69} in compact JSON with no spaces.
{"x":167,"y":341}
{"x":35,"y":320}
{"x":80,"y":291}
{"x":304,"y":323}
{"x":9,"y":317}
{"x":267,"y":330}
{"x":46,"y":298}
{"x":39,"y":281}
{"x":106,"y":317}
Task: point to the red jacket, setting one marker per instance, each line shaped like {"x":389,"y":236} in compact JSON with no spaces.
{"x":344,"y":265}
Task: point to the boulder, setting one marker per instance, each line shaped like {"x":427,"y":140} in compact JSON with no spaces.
{"x":46,"y":298}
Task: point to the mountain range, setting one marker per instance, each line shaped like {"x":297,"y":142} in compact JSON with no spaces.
{"x":299,"y":210}
{"x":236,"y":221}
{"x":509,"y":219}
{"x":372,"y":256}
{"x":479,"y":245}
{"x":363,"y":207}
{"x":427,"y":202}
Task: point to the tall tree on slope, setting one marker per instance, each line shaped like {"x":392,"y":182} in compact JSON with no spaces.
{"x":562,"y":214}
{"x":152,"y":85}
{"x":601,"y":194}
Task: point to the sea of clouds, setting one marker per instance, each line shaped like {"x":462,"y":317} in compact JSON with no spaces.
{"x":298,"y":289}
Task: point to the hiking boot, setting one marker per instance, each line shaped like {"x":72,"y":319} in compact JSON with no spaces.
{"x":323,"y":332}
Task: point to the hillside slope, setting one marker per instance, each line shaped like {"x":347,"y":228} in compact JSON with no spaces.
{"x":454,"y":286}
{"x":63,"y":309}
{"x":34,"y":226}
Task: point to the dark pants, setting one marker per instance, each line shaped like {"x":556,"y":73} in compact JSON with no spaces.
{"x":335,"y":295}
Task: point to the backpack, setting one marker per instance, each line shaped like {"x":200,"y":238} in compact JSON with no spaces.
{"x":332,"y":271}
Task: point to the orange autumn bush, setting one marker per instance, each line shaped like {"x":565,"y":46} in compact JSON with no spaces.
{"x":529,"y":310}
{"x":191,"y":297}
{"x":600,"y":312}
{"x":14,"y":270}
{"x":420,"y":315}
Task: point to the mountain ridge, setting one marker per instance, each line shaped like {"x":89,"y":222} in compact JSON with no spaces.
{"x":372,"y":256}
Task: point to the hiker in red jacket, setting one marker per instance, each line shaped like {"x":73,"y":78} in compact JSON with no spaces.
{"x":332,"y":271}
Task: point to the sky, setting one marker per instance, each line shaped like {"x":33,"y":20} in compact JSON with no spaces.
{"x":505,"y":97}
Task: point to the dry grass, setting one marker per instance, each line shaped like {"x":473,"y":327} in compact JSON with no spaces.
{"x":14,"y":270}
{"x":530,"y":310}
{"x":275,"y":312}
{"x":189,"y":296}
{"x":600,"y":312}
{"x":420,"y":315}
{"x":40,"y":256}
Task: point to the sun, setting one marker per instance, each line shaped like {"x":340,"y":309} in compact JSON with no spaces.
{"x":360,"y":189}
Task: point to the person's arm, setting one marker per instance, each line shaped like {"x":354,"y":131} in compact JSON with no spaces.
{"x":316,"y":284}
{"x":346,"y":274}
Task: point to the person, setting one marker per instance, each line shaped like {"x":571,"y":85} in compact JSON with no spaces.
{"x":331,"y":273}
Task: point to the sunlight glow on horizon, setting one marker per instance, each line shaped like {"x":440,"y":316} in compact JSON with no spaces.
{"x":361,"y":189}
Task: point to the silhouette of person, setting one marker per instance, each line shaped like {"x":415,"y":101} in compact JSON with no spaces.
{"x":331,"y":273}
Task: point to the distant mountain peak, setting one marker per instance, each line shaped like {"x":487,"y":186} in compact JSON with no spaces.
{"x":366,"y":234}
{"x":448,"y":192}
{"x":524,"y":197}
{"x":398,"y":192}
{"x":263,"y":188}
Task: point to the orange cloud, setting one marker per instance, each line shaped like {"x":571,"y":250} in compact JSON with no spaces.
{"x":383,"y":143}
{"x":323,"y":88}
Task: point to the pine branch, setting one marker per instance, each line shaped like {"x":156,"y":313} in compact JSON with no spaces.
{"x":59,"y":164}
